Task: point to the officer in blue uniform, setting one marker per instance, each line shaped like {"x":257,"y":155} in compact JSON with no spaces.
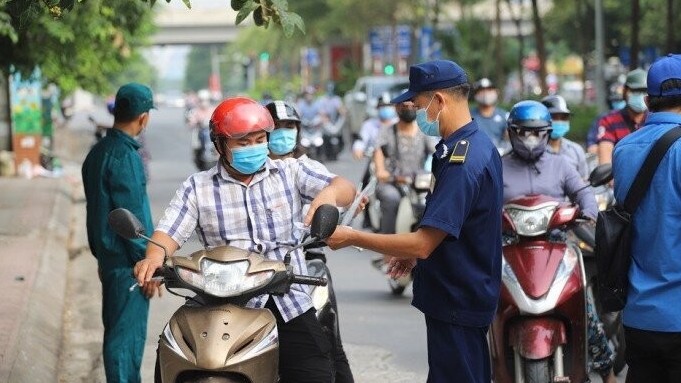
{"x":456,"y":252}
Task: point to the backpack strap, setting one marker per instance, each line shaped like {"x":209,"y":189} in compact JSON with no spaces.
{"x":645,"y":175}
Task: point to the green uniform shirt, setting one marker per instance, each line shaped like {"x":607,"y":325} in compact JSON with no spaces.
{"x":113,"y":177}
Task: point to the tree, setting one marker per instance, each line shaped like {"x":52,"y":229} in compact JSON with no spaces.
{"x":83,"y":45}
{"x":541,"y":49}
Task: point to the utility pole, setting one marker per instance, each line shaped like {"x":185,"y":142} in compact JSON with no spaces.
{"x":600,"y":82}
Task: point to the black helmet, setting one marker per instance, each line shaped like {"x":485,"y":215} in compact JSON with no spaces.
{"x":282,"y":110}
{"x":556,"y":104}
{"x":483,"y":83}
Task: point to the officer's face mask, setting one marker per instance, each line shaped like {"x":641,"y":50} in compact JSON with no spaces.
{"x":429,"y":128}
{"x":249,"y":159}
{"x":636,"y":101}
{"x":282,"y":141}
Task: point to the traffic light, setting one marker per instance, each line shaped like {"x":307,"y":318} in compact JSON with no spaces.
{"x":264,"y":56}
{"x":389,"y":70}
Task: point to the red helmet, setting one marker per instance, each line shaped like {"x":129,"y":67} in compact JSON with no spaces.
{"x":236,"y":117}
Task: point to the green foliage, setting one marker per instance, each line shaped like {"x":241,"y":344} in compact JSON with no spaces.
{"x":277,"y":86}
{"x":76,"y":45}
{"x":266,"y":12}
{"x":581,"y":118}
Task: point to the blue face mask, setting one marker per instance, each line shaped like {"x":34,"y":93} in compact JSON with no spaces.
{"x":283,"y":141}
{"x":386,"y":113}
{"x":429,"y":128}
{"x":560,"y":128}
{"x":249,"y":159}
{"x":617,"y":105}
{"x":637,"y":103}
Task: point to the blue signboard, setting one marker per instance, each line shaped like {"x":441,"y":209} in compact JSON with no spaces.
{"x":403,"y":34}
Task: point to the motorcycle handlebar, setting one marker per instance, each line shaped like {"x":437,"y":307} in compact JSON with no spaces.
{"x":305,"y":280}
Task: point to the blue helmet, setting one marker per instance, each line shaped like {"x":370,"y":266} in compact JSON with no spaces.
{"x":529,"y":115}
{"x":529,"y":125}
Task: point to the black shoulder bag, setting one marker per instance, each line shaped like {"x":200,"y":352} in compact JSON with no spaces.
{"x":613,"y":230}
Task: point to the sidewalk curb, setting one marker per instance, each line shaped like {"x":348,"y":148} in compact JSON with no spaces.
{"x":36,"y":355}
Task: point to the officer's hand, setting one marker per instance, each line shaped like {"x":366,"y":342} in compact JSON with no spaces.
{"x":399,"y":267}
{"x":145,"y":269}
{"x":340,"y":238}
{"x":152,"y":287}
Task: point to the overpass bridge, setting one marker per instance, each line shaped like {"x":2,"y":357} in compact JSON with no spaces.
{"x":183,"y":26}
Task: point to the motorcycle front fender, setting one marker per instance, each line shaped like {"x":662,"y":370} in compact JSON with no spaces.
{"x":537,"y":338}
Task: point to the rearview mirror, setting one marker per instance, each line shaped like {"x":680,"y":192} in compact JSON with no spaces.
{"x":601,"y":175}
{"x":324,"y":222}
{"x":125,"y":224}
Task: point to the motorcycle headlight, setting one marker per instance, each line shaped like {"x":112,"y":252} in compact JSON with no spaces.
{"x":531,"y":222}
{"x":224,"y":279}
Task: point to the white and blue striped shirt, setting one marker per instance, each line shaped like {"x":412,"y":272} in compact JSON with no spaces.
{"x":258,"y":217}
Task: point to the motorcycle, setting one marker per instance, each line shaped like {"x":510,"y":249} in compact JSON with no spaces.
{"x":539,"y":332}
{"x":409,"y":212}
{"x":333,"y":137}
{"x":311,"y":139}
{"x":213,"y":336}
{"x":205,"y":154}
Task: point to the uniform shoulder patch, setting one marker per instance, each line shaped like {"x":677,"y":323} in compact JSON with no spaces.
{"x":460,"y":151}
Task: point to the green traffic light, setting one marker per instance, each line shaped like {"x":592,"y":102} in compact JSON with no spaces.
{"x":389,"y":70}
{"x":264,"y":56}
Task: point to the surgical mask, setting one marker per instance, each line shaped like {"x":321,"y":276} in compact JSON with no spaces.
{"x":386,"y":113}
{"x":486,"y":98}
{"x":637,"y":103}
{"x":249,"y":159}
{"x":560,"y":128}
{"x":617,"y":105}
{"x":282,"y":141}
{"x":407,"y":115}
{"x":429,"y":128}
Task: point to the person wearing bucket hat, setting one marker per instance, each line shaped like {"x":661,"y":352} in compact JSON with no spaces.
{"x":652,"y":325}
{"x":617,"y":124}
{"x":456,"y":250}
{"x":113,"y":177}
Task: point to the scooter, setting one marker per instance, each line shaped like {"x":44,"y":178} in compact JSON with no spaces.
{"x":205,"y":154}
{"x":311,"y":139}
{"x":539,"y":332}
{"x":333,"y":137}
{"x":213,"y":336}
{"x":409,"y":212}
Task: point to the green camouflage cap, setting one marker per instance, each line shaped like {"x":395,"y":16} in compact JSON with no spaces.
{"x":636,"y":79}
{"x":132,"y":100}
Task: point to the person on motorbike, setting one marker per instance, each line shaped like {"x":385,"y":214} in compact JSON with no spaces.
{"x":252,"y":202}
{"x":330,"y":104}
{"x":401,"y":152}
{"x":198,"y":122}
{"x":490,"y":118}
{"x":283,"y":143}
{"x":307,"y":107}
{"x":529,"y":169}
{"x":366,"y":140}
{"x":560,"y":125}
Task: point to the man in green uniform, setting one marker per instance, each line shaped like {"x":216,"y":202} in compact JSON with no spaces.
{"x":113,"y":177}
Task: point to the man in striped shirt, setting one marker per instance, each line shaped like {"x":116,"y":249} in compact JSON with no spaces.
{"x":617,"y":124}
{"x":252,"y":202}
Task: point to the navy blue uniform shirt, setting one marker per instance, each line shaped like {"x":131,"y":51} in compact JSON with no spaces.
{"x":459,"y":283}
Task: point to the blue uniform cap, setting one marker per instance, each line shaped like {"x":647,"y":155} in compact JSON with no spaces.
{"x":666,"y":68}
{"x":432,"y":75}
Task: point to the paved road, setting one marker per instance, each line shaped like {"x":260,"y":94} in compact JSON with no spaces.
{"x":384,"y":336}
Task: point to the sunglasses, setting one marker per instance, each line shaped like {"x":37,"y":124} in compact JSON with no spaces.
{"x":526,"y":133}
